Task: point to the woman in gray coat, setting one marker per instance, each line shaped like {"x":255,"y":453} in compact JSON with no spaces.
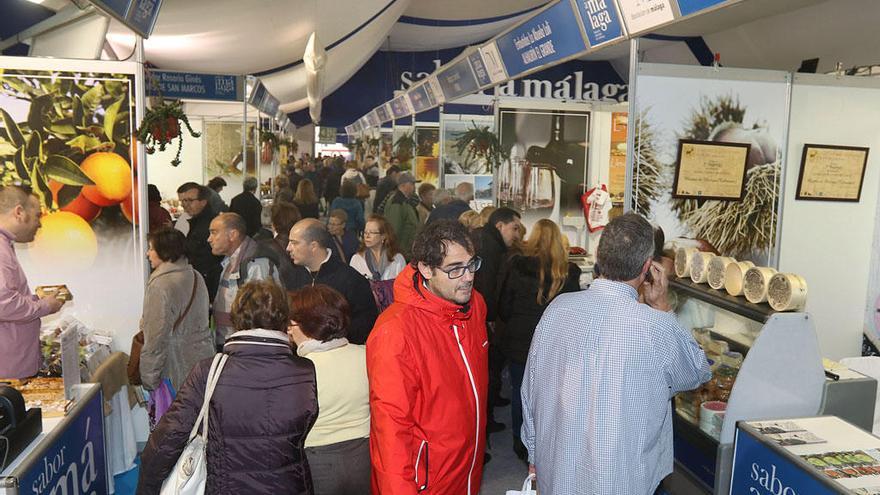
{"x":175,"y":316}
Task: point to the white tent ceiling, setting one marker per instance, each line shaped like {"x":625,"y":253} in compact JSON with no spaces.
{"x":268,"y":37}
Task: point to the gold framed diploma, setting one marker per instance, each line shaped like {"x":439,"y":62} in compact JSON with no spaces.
{"x":710,"y":170}
{"x":832,"y":173}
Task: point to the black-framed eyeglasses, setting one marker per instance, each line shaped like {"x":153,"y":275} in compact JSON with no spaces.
{"x":459,"y":271}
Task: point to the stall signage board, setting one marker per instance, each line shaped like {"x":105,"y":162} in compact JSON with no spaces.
{"x":688,"y":7}
{"x":327,"y":135}
{"x":601,"y":21}
{"x":138,"y":15}
{"x":373,"y":119}
{"x":382,"y":112}
{"x":759,"y":469}
{"x":642,"y":15}
{"x":458,"y":80}
{"x":75,"y":461}
{"x":400,"y":107}
{"x":479,"y":67}
{"x":193,"y":86}
{"x":551,"y":35}
{"x":494,"y":64}
{"x":434,"y":89}
{"x":419,"y":99}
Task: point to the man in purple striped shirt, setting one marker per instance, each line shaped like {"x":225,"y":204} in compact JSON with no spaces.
{"x":20,"y":310}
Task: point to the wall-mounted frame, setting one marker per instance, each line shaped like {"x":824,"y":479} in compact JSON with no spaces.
{"x":710,"y":170}
{"x":832,"y":173}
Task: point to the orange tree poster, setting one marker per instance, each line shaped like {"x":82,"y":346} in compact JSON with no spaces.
{"x":67,"y":133}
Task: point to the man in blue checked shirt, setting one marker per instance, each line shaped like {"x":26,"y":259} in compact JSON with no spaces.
{"x":597,"y":418}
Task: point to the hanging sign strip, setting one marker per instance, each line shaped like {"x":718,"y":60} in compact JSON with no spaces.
{"x":493,"y":62}
{"x":400,"y":107}
{"x":551,"y":35}
{"x":186,"y":85}
{"x":419,"y":98}
{"x":688,"y":7}
{"x":137,"y":15}
{"x":475,"y":58}
{"x":601,"y":21}
{"x":383,"y":113}
{"x":373,"y":119}
{"x":458,"y":80}
{"x":642,"y":15}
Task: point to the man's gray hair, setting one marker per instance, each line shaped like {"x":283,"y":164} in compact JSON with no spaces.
{"x":250,"y":184}
{"x":464,"y":191}
{"x":233,"y":221}
{"x":442,"y":196}
{"x":626,"y":243}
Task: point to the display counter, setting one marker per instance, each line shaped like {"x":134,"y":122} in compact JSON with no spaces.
{"x":765,"y":365}
{"x":816,"y":456}
{"x":68,"y":456}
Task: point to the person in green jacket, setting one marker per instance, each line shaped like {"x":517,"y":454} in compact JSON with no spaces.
{"x":402,"y":215}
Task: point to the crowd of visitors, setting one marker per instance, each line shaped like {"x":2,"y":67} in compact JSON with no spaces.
{"x":367,"y":336}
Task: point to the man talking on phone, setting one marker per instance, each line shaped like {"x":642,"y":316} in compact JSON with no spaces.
{"x":601,"y":372}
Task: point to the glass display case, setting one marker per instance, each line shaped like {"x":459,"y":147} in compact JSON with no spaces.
{"x":764,"y":364}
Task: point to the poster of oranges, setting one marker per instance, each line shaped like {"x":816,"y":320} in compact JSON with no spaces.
{"x":428,"y":155}
{"x":68,"y":135}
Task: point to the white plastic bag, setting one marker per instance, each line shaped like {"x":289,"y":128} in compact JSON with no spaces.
{"x":526,"y":487}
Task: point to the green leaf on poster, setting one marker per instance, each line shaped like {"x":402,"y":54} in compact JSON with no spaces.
{"x":6,"y":149}
{"x":12,"y":129}
{"x":110,"y":118}
{"x":34,"y":148}
{"x":39,"y":106}
{"x":21,"y":164}
{"x":62,"y":129}
{"x":92,"y":98}
{"x":79,"y":119}
{"x":66,"y":171}
{"x":84,"y":143}
{"x":67,"y":194}
{"x":40,"y":187}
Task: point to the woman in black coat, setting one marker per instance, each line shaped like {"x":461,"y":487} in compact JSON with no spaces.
{"x":263,"y":407}
{"x":533,"y":280}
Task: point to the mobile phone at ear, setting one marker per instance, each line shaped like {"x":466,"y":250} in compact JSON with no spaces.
{"x":649,"y":277}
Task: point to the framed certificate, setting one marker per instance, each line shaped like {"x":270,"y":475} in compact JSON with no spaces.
{"x":710,"y":170}
{"x":832,"y":173}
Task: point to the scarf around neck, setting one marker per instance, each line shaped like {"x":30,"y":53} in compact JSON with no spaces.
{"x":313,"y":345}
{"x":376,"y":267}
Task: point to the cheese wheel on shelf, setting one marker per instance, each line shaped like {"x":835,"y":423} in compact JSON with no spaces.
{"x":733,"y":277}
{"x":700,"y":266}
{"x":787,"y":292}
{"x":755,"y":283}
{"x":717,"y":269}
{"x":683,"y":261}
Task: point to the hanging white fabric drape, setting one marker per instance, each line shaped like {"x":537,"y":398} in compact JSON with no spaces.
{"x":315,"y":60}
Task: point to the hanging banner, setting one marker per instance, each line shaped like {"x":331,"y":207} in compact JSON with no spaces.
{"x":458,"y":80}
{"x":373,"y":119}
{"x":327,"y":135}
{"x":617,"y":168}
{"x":383,"y":113}
{"x":434,"y":89}
{"x":641,"y":15}
{"x":688,"y":7}
{"x":551,"y":35}
{"x":601,"y":21}
{"x":419,"y":99}
{"x":479,"y":67}
{"x":187,"y":85}
{"x":137,"y":15}
{"x":493,"y":62}
{"x":400,"y":107}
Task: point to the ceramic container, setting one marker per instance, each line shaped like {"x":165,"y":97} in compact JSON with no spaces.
{"x":733,"y":277}
{"x":787,"y":292}
{"x":717,"y":269}
{"x":755,"y":283}
{"x":683,"y":261}
{"x":700,"y":266}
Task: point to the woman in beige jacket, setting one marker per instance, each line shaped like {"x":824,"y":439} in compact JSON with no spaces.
{"x":175,"y":316}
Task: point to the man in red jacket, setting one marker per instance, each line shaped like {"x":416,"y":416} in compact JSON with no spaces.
{"x":427,"y":366}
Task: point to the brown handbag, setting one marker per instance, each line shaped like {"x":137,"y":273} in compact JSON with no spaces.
{"x":137,"y":342}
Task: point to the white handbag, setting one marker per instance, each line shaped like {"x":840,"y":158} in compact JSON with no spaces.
{"x":190,"y":472}
{"x":526,"y":487}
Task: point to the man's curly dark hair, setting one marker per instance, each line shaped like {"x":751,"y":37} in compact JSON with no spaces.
{"x":430,"y":245}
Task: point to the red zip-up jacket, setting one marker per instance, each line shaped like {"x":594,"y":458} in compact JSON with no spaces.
{"x":427,"y":365}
